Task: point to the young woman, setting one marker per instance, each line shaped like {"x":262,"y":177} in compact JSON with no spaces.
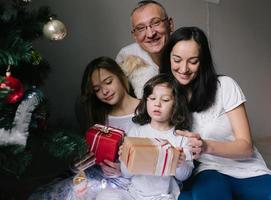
{"x":162,"y":109}
{"x":230,"y":167}
{"x":106,"y":100}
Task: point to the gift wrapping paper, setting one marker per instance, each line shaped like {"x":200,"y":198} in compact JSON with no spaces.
{"x":149,"y":156}
{"x":104,"y":142}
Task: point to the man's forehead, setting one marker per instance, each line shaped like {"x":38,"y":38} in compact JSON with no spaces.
{"x":146,"y":13}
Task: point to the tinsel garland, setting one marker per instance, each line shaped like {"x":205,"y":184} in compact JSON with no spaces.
{"x":18,"y":134}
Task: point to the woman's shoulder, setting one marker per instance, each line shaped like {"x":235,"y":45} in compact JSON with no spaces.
{"x":228,"y":83}
{"x":223,"y":79}
{"x":230,"y":93}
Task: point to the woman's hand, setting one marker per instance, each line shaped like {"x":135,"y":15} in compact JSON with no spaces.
{"x":196,"y":143}
{"x":182,"y":157}
{"x":110,"y":168}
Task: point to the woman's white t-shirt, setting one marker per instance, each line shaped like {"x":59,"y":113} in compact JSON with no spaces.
{"x":214,"y":124}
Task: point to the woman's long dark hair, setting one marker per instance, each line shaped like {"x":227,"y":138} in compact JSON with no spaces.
{"x":203,"y":87}
{"x":95,"y":110}
{"x":180,"y":117}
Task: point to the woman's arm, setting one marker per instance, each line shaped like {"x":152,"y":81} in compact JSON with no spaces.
{"x":241,"y":147}
{"x":196,"y":144}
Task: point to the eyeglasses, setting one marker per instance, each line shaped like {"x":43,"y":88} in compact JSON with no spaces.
{"x":155,"y":22}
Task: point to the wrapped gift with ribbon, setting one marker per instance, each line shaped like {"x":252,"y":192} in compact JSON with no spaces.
{"x":88,"y":160}
{"x":104,"y":142}
{"x":149,"y":156}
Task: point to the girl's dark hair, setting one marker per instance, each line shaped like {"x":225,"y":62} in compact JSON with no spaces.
{"x":203,"y":87}
{"x":180,"y":117}
{"x":95,"y":110}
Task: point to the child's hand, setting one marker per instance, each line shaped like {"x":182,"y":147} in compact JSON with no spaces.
{"x":120,"y":150}
{"x":182,"y":157}
{"x":110,"y":168}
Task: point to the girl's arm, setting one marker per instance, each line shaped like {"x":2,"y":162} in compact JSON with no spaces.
{"x":124,"y":171}
{"x":110,"y":168}
{"x":185,"y":163}
{"x":184,"y":170}
{"x":241,"y":147}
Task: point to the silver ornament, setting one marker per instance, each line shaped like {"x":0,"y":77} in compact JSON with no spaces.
{"x":54,"y":30}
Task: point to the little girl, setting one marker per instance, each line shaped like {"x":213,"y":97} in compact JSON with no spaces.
{"x":162,"y":109}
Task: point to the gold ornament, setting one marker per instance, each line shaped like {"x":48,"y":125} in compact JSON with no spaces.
{"x":54,"y":30}
{"x":80,"y":183}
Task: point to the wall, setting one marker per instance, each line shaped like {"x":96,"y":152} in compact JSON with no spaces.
{"x":239,"y":32}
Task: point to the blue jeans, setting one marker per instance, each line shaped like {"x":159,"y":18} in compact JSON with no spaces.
{"x":212,"y":185}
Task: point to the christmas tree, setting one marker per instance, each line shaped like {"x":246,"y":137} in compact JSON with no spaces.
{"x":23,"y":108}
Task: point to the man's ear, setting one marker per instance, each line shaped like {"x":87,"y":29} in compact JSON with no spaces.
{"x":171,"y":24}
{"x":134,"y":36}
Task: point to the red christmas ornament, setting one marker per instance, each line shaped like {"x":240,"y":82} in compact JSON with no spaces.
{"x":17,"y":89}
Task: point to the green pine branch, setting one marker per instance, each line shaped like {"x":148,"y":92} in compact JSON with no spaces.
{"x":15,"y":50}
{"x":13,"y":160}
{"x":65,"y":144}
{"x":19,"y":27}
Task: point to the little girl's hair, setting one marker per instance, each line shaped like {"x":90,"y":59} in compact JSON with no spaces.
{"x":180,"y":117}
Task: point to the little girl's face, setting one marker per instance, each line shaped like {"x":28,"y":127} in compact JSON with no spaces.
{"x":160,"y":104}
{"x":107,"y":86}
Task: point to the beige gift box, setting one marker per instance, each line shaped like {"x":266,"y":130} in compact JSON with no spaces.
{"x":149,"y":156}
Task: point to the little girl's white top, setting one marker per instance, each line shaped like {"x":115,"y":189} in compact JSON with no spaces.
{"x":155,"y":187}
{"x":214,"y":124}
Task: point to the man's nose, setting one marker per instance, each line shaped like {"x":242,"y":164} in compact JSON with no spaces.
{"x":150,"y":32}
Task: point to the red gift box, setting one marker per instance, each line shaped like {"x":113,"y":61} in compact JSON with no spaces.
{"x":104,"y":142}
